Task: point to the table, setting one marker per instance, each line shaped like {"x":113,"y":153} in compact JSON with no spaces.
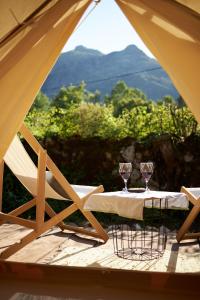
{"x":132,"y":240}
{"x":130,"y":205}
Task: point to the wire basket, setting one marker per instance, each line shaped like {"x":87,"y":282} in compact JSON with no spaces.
{"x":141,"y":241}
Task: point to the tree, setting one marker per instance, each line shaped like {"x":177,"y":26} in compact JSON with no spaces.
{"x":180,"y":101}
{"x":74,"y":96}
{"x":94,"y":97}
{"x":126,"y":113}
{"x":41,"y":102}
{"x":89,"y":120}
{"x":123,"y":97}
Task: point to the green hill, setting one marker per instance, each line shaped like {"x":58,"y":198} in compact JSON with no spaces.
{"x":102,"y":71}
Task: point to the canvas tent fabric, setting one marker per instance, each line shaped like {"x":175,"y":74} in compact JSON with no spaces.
{"x":193,"y":4}
{"x":30,"y":42}
{"x":32,"y":34}
{"x":172,"y":32}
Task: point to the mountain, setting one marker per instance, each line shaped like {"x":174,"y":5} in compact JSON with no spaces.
{"x":102,"y":71}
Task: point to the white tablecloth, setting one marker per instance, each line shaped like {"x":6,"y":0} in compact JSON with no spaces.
{"x":130,"y":205}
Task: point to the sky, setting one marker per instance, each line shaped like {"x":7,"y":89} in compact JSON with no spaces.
{"x":105,"y":29}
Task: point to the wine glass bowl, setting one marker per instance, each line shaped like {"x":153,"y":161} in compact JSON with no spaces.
{"x":146,"y":169}
{"x":125,"y":170}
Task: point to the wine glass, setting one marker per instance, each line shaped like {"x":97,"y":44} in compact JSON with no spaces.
{"x":146,"y":169}
{"x":125,"y":170}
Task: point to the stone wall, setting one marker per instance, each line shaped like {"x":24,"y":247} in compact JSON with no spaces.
{"x":95,"y":161}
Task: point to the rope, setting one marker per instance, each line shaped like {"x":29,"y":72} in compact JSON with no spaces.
{"x":96,"y":2}
{"x":121,"y":76}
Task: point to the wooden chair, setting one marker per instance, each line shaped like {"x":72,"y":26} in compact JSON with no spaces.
{"x":193,"y":195}
{"x":44,"y":184}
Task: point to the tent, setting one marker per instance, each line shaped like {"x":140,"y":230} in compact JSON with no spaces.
{"x":32,"y":34}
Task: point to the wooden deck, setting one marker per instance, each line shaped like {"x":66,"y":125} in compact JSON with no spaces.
{"x":68,"y":249}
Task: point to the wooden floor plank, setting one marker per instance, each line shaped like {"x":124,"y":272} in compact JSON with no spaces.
{"x":69,"y":249}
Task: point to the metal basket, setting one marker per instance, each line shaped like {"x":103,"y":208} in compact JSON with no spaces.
{"x":141,"y":241}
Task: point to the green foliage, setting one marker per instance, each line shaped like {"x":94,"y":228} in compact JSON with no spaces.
{"x":94,"y":120}
{"x":180,"y":101}
{"x":123,"y":97}
{"x":44,"y":123}
{"x":74,"y":96}
{"x":183,"y":121}
{"x":125,"y":113}
{"x":41,"y":102}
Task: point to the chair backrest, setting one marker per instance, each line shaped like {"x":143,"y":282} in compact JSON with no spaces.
{"x":195,"y":192}
{"x":22,"y":166}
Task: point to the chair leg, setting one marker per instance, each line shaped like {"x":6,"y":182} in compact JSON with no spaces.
{"x":75,"y":198}
{"x":40,"y":199}
{"x":21,"y":209}
{"x":63,"y":226}
{"x":95,"y":224}
{"x":49,"y":210}
{"x":188,"y":222}
{"x":36,"y":233}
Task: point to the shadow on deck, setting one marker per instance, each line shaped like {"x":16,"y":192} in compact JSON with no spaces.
{"x":69,"y":249}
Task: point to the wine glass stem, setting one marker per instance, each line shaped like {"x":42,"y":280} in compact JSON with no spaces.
{"x":146,"y":182}
{"x":125,"y":182}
